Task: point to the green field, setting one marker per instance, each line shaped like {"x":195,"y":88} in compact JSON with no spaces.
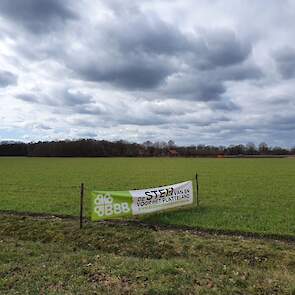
{"x":250,"y":195}
{"x":52,"y":256}
{"x":48,"y":255}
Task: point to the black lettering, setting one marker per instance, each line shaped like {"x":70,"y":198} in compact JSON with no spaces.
{"x":171,"y":191}
{"x":149,"y":197}
{"x":155,"y":192}
{"x":162,"y":193}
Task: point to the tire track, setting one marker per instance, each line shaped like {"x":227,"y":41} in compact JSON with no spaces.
{"x":154,"y":226}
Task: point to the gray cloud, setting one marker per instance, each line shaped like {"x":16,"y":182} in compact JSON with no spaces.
{"x":284,"y":100}
{"x":219,"y":48}
{"x":285,"y":59}
{"x":197,"y":88}
{"x":7,"y":78}
{"x":135,"y":73}
{"x":87,"y":135}
{"x":285,"y":122}
{"x":143,"y":52}
{"x":29,"y":97}
{"x":224,"y":105}
{"x":74,"y":98}
{"x":241,"y":72}
{"x":139,"y":53}
{"x":142,"y":120}
{"x":37,"y":16}
{"x":133,"y":70}
{"x":149,"y":35}
{"x":42,"y":126}
{"x":58,"y":98}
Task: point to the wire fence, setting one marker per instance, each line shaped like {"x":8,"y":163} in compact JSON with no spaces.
{"x":61,"y":199}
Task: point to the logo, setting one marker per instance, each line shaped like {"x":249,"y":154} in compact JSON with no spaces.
{"x":105,"y":206}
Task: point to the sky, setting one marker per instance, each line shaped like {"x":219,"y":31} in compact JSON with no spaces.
{"x":193,"y":71}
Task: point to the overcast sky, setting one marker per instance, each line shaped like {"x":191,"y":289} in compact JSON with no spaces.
{"x":211,"y":72}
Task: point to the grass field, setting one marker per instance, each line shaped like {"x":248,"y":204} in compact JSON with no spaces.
{"x":251,"y":195}
{"x":51,"y":256}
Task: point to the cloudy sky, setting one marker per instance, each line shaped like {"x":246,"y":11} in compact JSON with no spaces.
{"x":211,"y":72}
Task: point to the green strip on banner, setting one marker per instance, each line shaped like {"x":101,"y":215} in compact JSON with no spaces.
{"x":115,"y":204}
{"x":110,"y":205}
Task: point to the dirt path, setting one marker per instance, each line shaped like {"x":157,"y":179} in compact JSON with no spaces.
{"x":193,"y":230}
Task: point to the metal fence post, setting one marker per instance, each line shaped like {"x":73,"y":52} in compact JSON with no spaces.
{"x":197,"y":187}
{"x":81,"y":204}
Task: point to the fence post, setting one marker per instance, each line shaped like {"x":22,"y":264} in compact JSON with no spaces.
{"x":81,"y":204}
{"x":197,"y":187}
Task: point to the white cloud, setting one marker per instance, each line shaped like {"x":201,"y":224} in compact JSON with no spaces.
{"x":213,"y":72}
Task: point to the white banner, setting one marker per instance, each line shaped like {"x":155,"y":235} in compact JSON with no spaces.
{"x":113,"y":204}
{"x":161,"y":198}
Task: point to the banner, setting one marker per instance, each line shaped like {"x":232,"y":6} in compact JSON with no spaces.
{"x":114,"y":204}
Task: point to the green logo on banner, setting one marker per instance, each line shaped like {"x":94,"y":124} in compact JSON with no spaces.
{"x":114,"y":204}
{"x":108,"y":205}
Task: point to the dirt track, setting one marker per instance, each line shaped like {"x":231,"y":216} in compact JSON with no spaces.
{"x":193,"y":230}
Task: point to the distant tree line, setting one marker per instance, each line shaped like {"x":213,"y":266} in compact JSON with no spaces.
{"x":103,"y":148}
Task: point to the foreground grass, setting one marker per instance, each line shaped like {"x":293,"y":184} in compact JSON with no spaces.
{"x":250,"y":195}
{"x":52,"y":256}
